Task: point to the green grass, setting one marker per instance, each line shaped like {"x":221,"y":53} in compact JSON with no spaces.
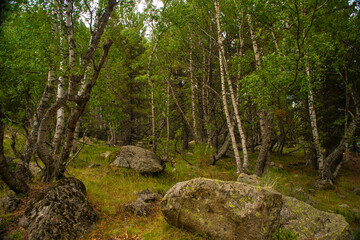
{"x":110,"y":189}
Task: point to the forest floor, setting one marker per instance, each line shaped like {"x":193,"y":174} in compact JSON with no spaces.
{"x":109,"y":189}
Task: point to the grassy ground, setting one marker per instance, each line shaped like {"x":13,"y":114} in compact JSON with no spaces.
{"x":110,"y":189}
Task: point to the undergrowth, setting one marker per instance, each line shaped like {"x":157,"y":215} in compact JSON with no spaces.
{"x":109,"y":189}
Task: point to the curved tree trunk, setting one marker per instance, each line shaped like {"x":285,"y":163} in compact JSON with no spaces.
{"x":15,"y":184}
{"x":266,"y":117}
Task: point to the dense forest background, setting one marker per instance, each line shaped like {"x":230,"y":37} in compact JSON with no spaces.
{"x":243,"y":75}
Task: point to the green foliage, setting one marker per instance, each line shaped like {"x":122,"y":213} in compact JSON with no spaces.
{"x":17,"y":235}
{"x":356,"y":234}
{"x":283,"y":234}
{"x":351,"y":217}
{"x":203,"y":154}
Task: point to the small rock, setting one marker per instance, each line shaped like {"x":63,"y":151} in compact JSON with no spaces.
{"x":356,"y":210}
{"x":344,"y":206}
{"x":248,"y":179}
{"x":94,"y":165}
{"x":105,"y":154}
{"x":139,"y":208}
{"x":10,"y":203}
{"x":312,"y":191}
{"x":148,"y":196}
{"x":357,"y":191}
{"x":341,"y":196}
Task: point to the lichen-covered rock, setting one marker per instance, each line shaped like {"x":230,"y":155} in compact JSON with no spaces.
{"x":248,"y":179}
{"x":59,"y":212}
{"x":307,"y":222}
{"x":148,"y":195}
{"x":141,"y":160}
{"x":144,"y":204}
{"x":10,"y":203}
{"x":234,"y":210}
{"x":139,"y":208}
{"x":223,"y":210}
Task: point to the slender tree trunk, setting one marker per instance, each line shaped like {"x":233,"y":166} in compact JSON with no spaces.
{"x":181,"y":111}
{"x":266,"y":118}
{"x":204,"y":100}
{"x":60,"y":119}
{"x":329,"y":161}
{"x":263,"y":160}
{"x":314,"y":128}
{"x":192,"y":86}
{"x":15,"y":184}
{"x":153,"y":124}
{"x":221,"y":152}
{"x":167,"y":121}
{"x":223,"y":89}
{"x":55,"y":165}
{"x":236,"y":111}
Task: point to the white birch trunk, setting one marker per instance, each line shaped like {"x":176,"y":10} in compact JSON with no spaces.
{"x":60,"y":118}
{"x":314,"y":128}
{"x":192,"y":85}
{"x":223,"y":89}
{"x":236,"y":111}
{"x":153,"y":124}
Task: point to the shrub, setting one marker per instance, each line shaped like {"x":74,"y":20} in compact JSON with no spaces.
{"x":283,"y":234}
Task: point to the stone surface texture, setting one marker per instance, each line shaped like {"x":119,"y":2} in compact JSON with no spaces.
{"x":59,"y":212}
{"x":222,"y":210}
{"x":236,"y":210}
{"x":141,"y":160}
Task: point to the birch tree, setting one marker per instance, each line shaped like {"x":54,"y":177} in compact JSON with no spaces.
{"x":223,"y":88}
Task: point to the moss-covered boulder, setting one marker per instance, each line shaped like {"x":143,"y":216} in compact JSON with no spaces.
{"x":307,"y":222}
{"x":59,"y":212}
{"x":223,"y":210}
{"x":139,"y":159}
{"x":236,"y":210}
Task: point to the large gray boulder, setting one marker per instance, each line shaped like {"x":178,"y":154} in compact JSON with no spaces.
{"x":59,"y":212}
{"x":141,"y":160}
{"x":307,"y":222}
{"x":222,"y":210}
{"x":235,"y":210}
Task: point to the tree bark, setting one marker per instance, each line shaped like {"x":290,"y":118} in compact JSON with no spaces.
{"x":314,"y":128}
{"x":221,"y":152}
{"x":234,"y":102}
{"x":223,"y":89}
{"x":192,"y":86}
{"x":266,"y":117}
{"x":263,"y":159}
{"x":55,"y":164}
{"x":9,"y":178}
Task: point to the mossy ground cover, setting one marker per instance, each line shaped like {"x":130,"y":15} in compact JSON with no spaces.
{"x":110,"y":189}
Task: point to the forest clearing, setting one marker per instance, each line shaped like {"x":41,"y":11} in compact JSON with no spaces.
{"x":174,"y":119}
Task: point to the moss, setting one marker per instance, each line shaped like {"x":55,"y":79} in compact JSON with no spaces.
{"x":112,"y":156}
